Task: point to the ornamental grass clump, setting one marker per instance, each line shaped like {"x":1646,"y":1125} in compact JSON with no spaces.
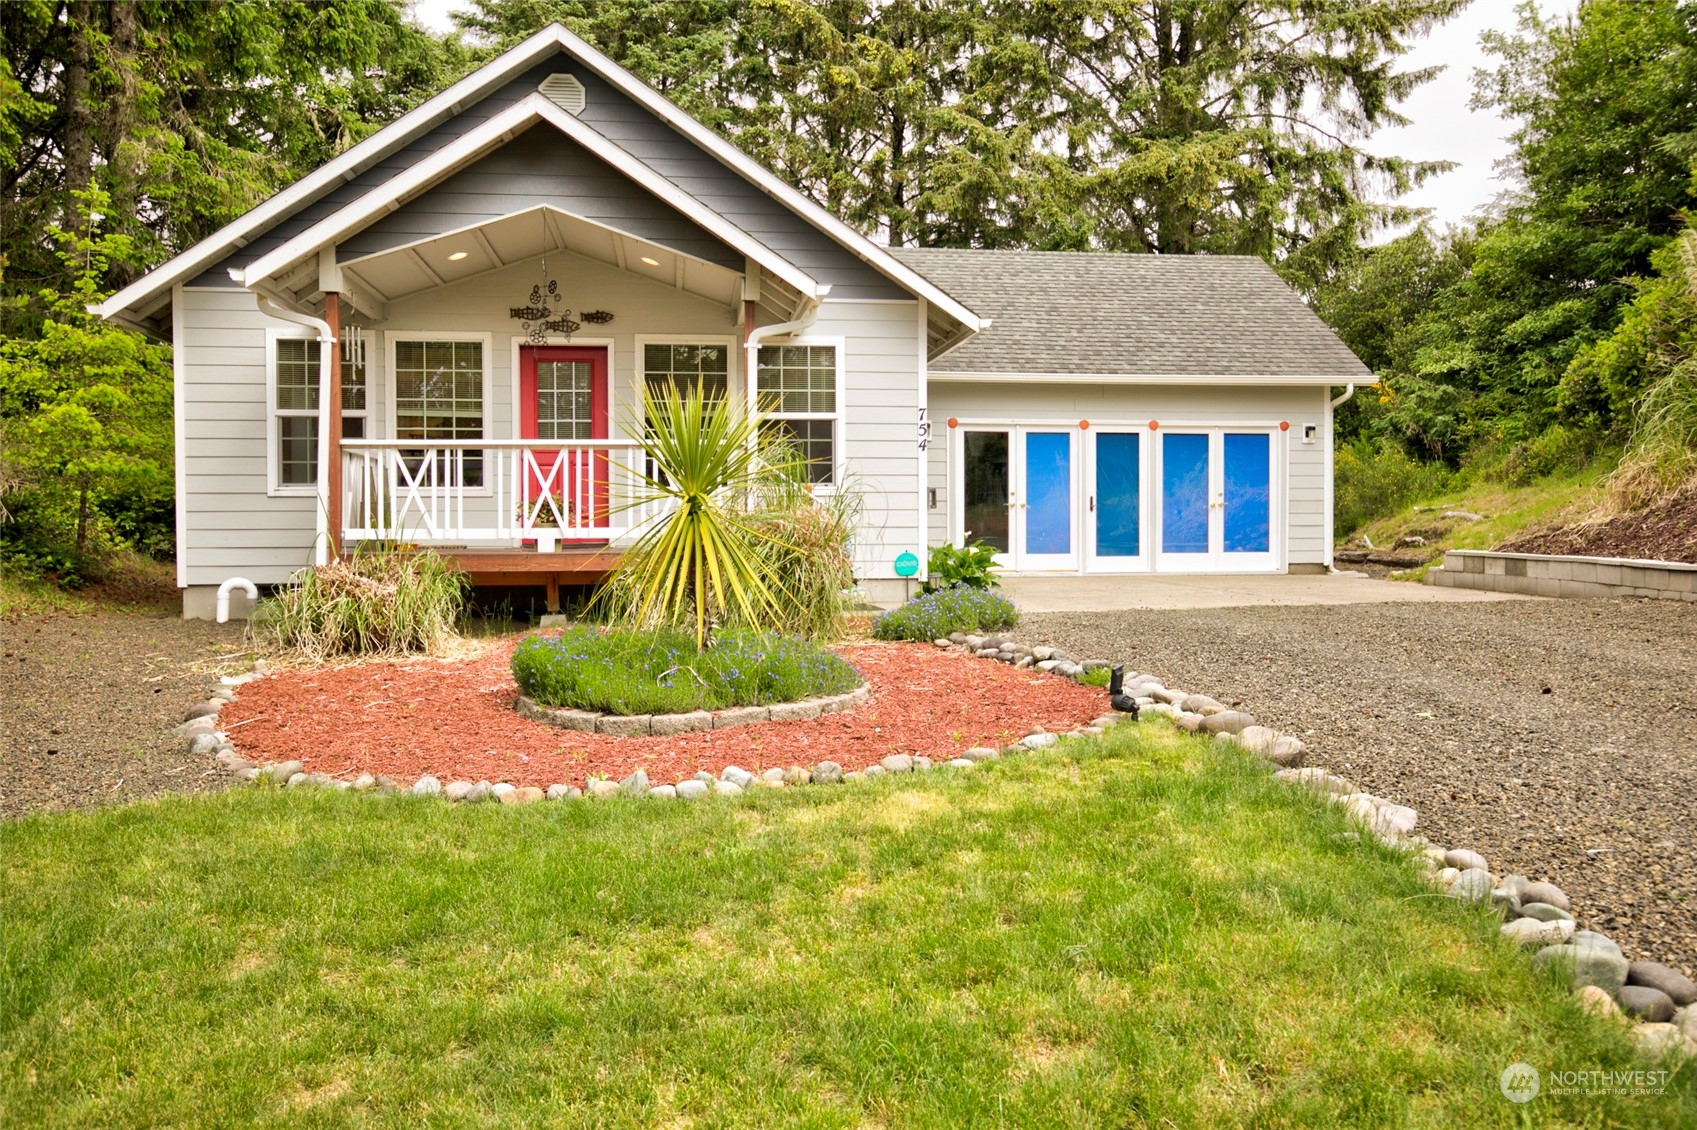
{"x":376,"y":603}
{"x":937,"y":614}
{"x":661,"y":671}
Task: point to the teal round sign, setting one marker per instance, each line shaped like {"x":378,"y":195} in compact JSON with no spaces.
{"x":906,"y":565}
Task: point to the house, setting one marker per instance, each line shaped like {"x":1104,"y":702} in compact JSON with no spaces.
{"x":442,"y":335}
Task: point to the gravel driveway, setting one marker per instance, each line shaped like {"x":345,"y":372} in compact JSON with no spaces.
{"x":1559,"y":738}
{"x":89,"y":702}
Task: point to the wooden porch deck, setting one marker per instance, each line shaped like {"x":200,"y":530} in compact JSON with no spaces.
{"x":568,"y":565}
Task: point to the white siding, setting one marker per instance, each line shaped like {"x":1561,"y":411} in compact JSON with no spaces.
{"x":227,"y":524}
{"x":881,"y":415}
{"x":1050,"y":402}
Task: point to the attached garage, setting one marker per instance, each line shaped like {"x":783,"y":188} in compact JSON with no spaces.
{"x":1133,"y":414}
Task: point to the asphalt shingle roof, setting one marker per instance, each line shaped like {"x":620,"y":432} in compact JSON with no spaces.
{"x":1103,"y":313}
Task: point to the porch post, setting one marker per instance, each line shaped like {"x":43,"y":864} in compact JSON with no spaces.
{"x":333,"y":424}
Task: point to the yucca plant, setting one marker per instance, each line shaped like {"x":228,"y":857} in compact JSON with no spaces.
{"x":706,"y":558}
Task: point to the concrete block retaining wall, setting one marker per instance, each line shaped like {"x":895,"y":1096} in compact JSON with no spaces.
{"x":1534,"y":574}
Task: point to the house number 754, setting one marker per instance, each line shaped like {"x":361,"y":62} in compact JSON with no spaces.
{"x":924,"y":429}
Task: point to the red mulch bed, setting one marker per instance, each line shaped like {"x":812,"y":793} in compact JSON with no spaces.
{"x":455,"y":721}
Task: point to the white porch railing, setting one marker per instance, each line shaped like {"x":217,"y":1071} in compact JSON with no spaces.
{"x":501,"y":491}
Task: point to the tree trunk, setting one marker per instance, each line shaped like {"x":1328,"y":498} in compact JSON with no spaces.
{"x":79,"y":112}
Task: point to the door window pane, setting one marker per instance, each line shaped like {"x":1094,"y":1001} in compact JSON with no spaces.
{"x":1184,"y":493}
{"x":1248,"y":473}
{"x":1048,"y":492}
{"x":986,"y":489}
{"x":1118,"y":494}
{"x":564,"y":399}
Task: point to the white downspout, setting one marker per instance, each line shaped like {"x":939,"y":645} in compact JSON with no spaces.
{"x":751,"y":346}
{"x":1331,"y":471}
{"x":1348,"y":391}
{"x":326,"y":342}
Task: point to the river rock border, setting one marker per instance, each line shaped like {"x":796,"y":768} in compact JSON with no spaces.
{"x":1537,"y":916}
{"x":665,"y":725}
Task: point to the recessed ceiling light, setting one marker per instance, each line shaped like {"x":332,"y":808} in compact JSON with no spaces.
{"x":651,"y":262}
{"x":456,"y":256}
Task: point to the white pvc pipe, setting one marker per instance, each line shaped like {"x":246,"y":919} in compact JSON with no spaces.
{"x":244,"y":584}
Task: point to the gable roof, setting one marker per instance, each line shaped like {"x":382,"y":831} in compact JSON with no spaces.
{"x":1106,"y":315}
{"x":131,"y":303}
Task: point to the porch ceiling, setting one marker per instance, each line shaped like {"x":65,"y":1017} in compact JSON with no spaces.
{"x":426,"y":264}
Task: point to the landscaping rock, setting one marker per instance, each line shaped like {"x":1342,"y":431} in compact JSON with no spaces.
{"x":665,"y":725}
{"x":601,"y":790}
{"x":1037,"y":741}
{"x":869,"y":771}
{"x":1446,"y":876}
{"x":690,"y":789}
{"x":1167,"y":697}
{"x":1043,"y":653}
{"x":943,"y":643}
{"x":960,"y":763}
{"x":1542,"y":911}
{"x":827,"y":773}
{"x":501,"y":791}
{"x":897,"y":763}
{"x":979,"y":753}
{"x":480,"y":792}
{"x":703,"y":776}
{"x":1048,"y":664}
{"x":1202,"y":704}
{"x":741,"y":716}
{"x":1686,"y":1021}
{"x":1227,"y":722}
{"x":795,"y":711}
{"x":1471,"y":885}
{"x":296,"y":781}
{"x":1506,"y":903}
{"x":1023,"y":662}
{"x":1590,"y":939}
{"x":921,"y":763}
{"x":222,"y":694}
{"x":202,"y":744}
{"x":424,"y":786}
{"x":1531,"y":934}
{"x":1315,"y":778}
{"x":1287,"y":751}
{"x":365,"y":782}
{"x":773,"y":777}
{"x":796,"y":775}
{"x":1547,"y":893}
{"x":1658,"y":1040}
{"x":1597,"y":1002}
{"x":1190,"y":723}
{"x":636,"y":784}
{"x":525,"y":794}
{"x":737,"y":776}
{"x":664,"y":792}
{"x":1654,"y":975}
{"x":1646,"y":1003}
{"x":727,"y":788}
{"x":1464,"y":859}
{"x":1583,"y":965}
{"x":283,"y":770}
{"x":202,"y":710}
{"x":457,"y":790}
{"x":559,"y":791}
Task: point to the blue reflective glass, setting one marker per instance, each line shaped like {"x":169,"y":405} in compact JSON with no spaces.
{"x":1048,"y":492}
{"x":1184,"y":493}
{"x":1117,"y":491}
{"x":1249,"y":492}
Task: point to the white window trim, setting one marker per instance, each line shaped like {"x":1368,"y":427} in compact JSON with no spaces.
{"x":839,"y":430}
{"x":391,"y":398}
{"x":274,"y":485}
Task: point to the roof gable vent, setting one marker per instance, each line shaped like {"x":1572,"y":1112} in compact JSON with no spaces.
{"x":564,"y":91}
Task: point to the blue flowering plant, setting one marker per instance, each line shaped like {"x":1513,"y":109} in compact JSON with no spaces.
{"x":661,"y":671}
{"x":934,"y":615}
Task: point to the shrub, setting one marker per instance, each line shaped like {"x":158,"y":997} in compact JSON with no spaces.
{"x":809,"y":543}
{"x":935,"y":615}
{"x":660,"y":671}
{"x":1373,"y":481}
{"x":1661,"y":457}
{"x":973,"y":566}
{"x":377,"y":602}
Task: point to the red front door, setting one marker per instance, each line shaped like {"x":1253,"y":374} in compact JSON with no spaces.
{"x":563,"y":396}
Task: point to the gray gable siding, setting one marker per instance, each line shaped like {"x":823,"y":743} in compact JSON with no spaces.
{"x":540,"y":167}
{"x":1103,"y":313}
{"x":647,"y":138}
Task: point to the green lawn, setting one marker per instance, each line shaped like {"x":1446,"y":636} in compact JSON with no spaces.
{"x":1137,"y":931}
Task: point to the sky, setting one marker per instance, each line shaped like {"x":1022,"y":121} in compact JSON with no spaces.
{"x":1442,"y":128}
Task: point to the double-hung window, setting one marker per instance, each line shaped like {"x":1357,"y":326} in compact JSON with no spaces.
{"x":796,"y":391}
{"x":296,"y":376}
{"x":685,"y":368}
{"x":439,"y":396}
